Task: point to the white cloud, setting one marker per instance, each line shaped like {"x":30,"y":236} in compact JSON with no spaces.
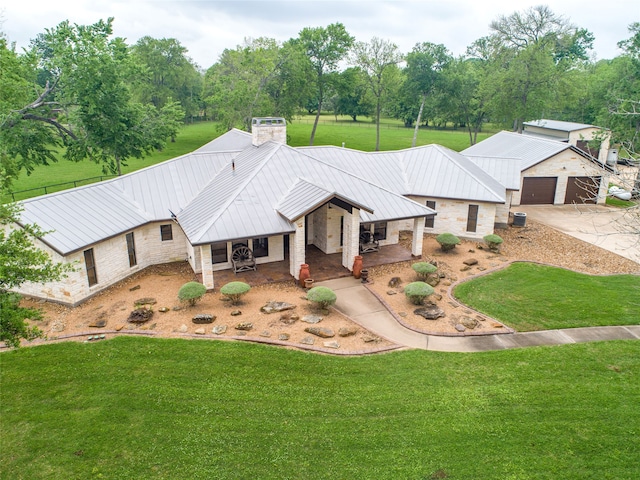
{"x":206,"y":28}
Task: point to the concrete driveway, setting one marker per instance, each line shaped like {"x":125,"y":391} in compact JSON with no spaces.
{"x":609,"y":228}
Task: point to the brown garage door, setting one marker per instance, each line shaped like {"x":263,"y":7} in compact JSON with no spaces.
{"x":538,"y":190}
{"x":582,"y":190}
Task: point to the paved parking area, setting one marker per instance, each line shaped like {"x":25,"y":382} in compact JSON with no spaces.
{"x":610,"y":228}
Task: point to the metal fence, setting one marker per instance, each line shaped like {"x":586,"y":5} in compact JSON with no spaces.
{"x":54,"y":187}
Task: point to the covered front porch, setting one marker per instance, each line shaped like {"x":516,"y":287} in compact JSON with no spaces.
{"x":321,"y":265}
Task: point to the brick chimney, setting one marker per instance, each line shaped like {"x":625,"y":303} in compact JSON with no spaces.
{"x":265,"y":129}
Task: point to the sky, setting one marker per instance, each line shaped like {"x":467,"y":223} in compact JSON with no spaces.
{"x":207,"y":27}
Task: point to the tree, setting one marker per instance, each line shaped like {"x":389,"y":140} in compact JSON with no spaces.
{"x":325,"y":47}
{"x":424,"y":73}
{"x":166,"y":73}
{"x":351,"y":90}
{"x":378,"y":59}
{"x":82,"y":102}
{"x":21,"y":262}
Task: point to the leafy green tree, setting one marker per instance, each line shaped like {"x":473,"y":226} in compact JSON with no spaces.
{"x":379,"y":60}
{"x":352,"y":98}
{"x":424,"y":74}
{"x":21,"y":262}
{"x":325,"y":48}
{"x":80,"y":100}
{"x":167,"y":74}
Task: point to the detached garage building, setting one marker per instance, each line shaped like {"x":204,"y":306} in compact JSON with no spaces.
{"x":552,"y":172}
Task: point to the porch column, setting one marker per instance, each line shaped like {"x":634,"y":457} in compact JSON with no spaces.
{"x":418,"y":237}
{"x":297,"y":249}
{"x":351,"y":239}
{"x":206,"y":266}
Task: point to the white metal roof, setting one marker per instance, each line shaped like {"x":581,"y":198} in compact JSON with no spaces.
{"x":505,"y":170}
{"x":559,"y":125}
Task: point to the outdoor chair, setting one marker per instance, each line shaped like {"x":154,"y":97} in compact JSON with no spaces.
{"x":242,"y":259}
{"x":368,"y":243}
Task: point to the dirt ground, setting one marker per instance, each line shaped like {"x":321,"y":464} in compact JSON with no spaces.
{"x":158,"y":287}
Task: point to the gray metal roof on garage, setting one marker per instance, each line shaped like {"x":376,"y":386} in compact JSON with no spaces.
{"x":558,"y":125}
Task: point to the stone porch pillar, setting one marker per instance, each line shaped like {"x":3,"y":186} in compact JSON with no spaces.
{"x":206,"y":266}
{"x":418,"y":237}
{"x":297,"y":249}
{"x":351,"y":239}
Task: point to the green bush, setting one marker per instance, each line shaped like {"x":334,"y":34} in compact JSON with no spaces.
{"x":493,"y":241}
{"x":192,"y":292}
{"x":447,"y":241}
{"x":321,"y":296}
{"x":416,"y":292}
{"x":234,"y":291}
{"x":424,"y":269}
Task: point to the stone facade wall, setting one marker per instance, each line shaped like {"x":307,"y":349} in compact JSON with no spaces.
{"x":112,"y":263}
{"x":452,"y":217}
{"x":564,"y":165}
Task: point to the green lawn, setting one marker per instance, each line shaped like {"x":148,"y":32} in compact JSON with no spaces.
{"x":528,"y":297}
{"x":178,"y":409}
{"x":359,"y":135}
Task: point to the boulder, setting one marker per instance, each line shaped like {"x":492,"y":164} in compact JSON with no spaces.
{"x":219,"y":329}
{"x":459,"y":327}
{"x":284,"y":337}
{"x":244,"y":326}
{"x":271,"y":307}
{"x":332,"y":344}
{"x":470,"y":261}
{"x":265,"y":333}
{"x":312,"y":319}
{"x":395,"y":282}
{"x":430,"y":312}
{"x":289,"y":318}
{"x":145,"y":301}
{"x":99,"y":323}
{"x":320,"y":332}
{"x":203,"y":318}
{"x":199,"y":331}
{"x":307,"y":341}
{"x":235,"y":313}
{"x":183,"y":329}
{"x":347,"y":331}
{"x":469,"y":322}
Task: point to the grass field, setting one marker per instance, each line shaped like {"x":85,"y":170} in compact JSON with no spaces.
{"x":178,"y":409}
{"x":360,"y":136}
{"x":528,"y":297}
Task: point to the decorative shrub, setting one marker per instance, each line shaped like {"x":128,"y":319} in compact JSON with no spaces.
{"x":447,"y":241}
{"x":424,"y":269}
{"x":234,"y":291}
{"x":416,"y":292}
{"x":191,"y":293}
{"x":493,"y":241}
{"x":323,"y":297}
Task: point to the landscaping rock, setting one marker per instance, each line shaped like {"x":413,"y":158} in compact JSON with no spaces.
{"x":137,"y":287}
{"x":312,"y":319}
{"x":235,"y":313}
{"x":99,"y":323}
{"x":265,"y":333}
{"x":470,"y":262}
{"x":244,"y":326}
{"x":370,"y":339}
{"x":436,"y":296}
{"x":320,"y":332}
{"x":183,"y":328}
{"x":433,"y":281}
{"x":307,"y":341}
{"x":177,"y":308}
{"x":119,"y":327}
{"x":163,"y":309}
{"x":469,"y":322}
{"x":347,"y":331}
{"x":465,"y":268}
{"x":332,"y":344}
{"x":284,"y":337}
{"x":199,"y":331}
{"x":395,"y":282}
{"x":289,"y":318}
{"x":271,"y":307}
{"x":459,"y":327}
{"x":145,"y":301}
{"x":203,"y":318}
{"x":430,"y":312}
{"x":140,"y":315}
{"x":219,"y":329}
{"x":391,"y":292}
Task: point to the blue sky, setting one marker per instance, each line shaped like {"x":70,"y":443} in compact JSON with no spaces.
{"x":207,"y":27}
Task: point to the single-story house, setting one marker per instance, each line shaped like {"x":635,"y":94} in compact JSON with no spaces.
{"x":551,"y":171}
{"x":250,"y":191}
{"x":576,"y":134}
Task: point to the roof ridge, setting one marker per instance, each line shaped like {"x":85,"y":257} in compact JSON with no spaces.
{"x":238,"y":190}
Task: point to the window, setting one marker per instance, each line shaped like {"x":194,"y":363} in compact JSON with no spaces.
{"x":90,"y":264}
{"x":380,"y":231}
{"x":131,"y":249}
{"x":261,"y":247}
{"x":166,"y":232}
{"x":219,"y":252}
{"x":472,"y":219}
{"x":429,"y":221}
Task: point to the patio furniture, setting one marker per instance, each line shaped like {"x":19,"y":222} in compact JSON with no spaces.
{"x":368,"y":243}
{"x":242,"y":259}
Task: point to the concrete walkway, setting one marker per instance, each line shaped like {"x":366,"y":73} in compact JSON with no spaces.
{"x":359,"y":304}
